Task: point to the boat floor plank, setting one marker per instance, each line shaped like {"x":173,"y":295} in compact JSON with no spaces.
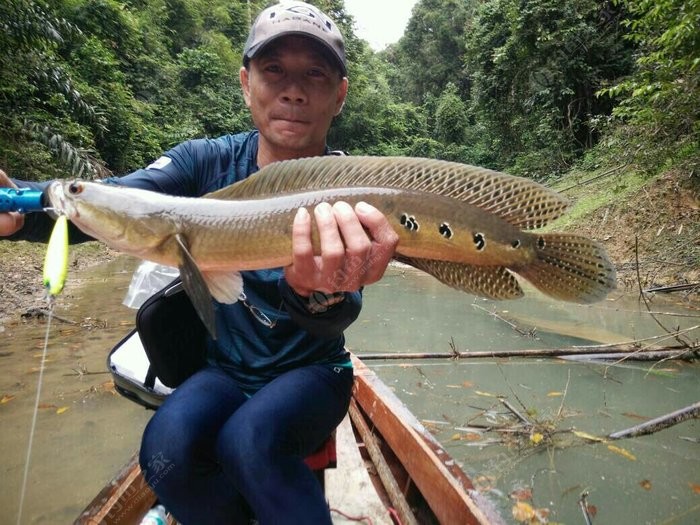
{"x":349,"y":488}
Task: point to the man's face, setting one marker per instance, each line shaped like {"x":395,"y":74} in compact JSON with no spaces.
{"x":293,"y":93}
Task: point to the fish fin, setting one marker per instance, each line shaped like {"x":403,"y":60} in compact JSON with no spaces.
{"x":571,"y":268}
{"x":196,"y":287}
{"x":519,"y":201}
{"x":494,"y":282}
{"x":225,"y":287}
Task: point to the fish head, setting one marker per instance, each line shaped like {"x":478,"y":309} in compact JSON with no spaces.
{"x":117,"y":216}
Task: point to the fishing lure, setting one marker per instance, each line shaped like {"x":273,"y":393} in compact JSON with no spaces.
{"x":56,"y":261}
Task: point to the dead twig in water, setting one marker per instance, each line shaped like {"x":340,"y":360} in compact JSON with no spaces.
{"x":515,"y":412}
{"x":526,"y":333}
{"x":563,"y":397}
{"x":43,"y":312}
{"x":583,"y":505}
{"x":82,"y":371}
{"x":684,"y":348}
{"x":659,"y":423}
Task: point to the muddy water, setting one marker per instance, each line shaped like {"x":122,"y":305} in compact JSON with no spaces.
{"x":85,"y":432}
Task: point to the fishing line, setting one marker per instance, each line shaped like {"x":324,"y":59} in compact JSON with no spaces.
{"x":55,"y":270}
{"x":36,"y":411}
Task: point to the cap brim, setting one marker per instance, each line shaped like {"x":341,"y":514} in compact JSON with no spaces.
{"x":330,"y":52}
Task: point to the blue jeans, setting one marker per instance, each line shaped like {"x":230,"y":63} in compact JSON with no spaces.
{"x":214,"y":455}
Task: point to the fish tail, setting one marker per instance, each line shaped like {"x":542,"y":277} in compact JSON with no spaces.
{"x":571,"y":268}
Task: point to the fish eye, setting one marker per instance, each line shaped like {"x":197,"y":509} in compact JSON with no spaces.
{"x":75,"y":188}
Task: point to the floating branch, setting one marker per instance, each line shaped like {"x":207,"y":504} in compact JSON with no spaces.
{"x":608,"y":352}
{"x":673,"y":288}
{"x":659,"y":423}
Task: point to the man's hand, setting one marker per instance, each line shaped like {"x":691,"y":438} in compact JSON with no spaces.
{"x":356,"y":247}
{"x":12,"y":221}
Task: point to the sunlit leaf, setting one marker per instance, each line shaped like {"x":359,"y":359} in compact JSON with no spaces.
{"x":586,"y":435}
{"x":622,"y":452}
{"x":523,"y":512}
{"x":484,"y":394}
{"x":61,"y":410}
{"x":536,"y":438}
{"x":555,"y":394}
{"x":6,"y":399}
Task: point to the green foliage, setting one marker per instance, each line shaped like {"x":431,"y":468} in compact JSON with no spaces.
{"x":451,"y":120}
{"x":660,"y":101}
{"x":535,"y":69}
{"x":430,"y":53}
{"x":531,"y":87}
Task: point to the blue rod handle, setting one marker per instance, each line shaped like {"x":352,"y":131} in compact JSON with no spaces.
{"x":22,"y":200}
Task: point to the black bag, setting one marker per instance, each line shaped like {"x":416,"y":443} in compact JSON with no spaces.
{"x":172,"y":334}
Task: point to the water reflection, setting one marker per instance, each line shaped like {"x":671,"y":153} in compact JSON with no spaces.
{"x":411,"y":312}
{"x":85,"y":432}
{"x":650,"y":479}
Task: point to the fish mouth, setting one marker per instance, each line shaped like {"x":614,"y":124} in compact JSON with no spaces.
{"x":59,"y":200}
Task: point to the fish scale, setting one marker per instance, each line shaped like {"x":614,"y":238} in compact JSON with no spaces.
{"x":466,"y":226}
{"x":522,"y":202}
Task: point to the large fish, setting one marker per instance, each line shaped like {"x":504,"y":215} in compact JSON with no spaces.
{"x":462,"y":224}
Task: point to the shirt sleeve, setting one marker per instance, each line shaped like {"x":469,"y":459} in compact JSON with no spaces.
{"x":329,"y":324}
{"x":173,"y":173}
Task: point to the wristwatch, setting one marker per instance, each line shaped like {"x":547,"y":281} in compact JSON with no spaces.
{"x":319,"y":302}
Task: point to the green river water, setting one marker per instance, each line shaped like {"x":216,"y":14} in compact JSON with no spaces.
{"x":85,"y":431}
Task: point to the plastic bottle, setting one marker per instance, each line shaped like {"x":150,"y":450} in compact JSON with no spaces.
{"x":155,"y":516}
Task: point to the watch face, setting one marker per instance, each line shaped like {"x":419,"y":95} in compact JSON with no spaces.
{"x":319,"y":302}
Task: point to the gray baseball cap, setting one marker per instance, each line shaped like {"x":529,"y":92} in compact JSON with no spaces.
{"x":295,"y":18}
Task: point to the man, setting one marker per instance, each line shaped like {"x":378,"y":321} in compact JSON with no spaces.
{"x":233,"y":436}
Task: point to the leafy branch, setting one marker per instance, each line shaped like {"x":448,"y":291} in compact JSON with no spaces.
{"x":81,"y":162}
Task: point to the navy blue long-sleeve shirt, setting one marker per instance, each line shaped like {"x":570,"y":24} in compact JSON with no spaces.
{"x":250,"y":350}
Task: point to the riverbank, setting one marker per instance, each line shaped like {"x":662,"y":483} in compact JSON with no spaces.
{"x":21,"y":268}
{"x":650,"y":226}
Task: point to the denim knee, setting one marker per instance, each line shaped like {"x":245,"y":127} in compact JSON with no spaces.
{"x":158,"y":453}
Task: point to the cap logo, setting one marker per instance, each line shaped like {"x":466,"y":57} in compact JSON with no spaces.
{"x":308,"y":12}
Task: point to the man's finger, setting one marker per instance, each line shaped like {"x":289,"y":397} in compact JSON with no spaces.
{"x":10,"y":223}
{"x":358,"y":245}
{"x":332,"y":246}
{"x":384,"y":240}
{"x":5,"y":181}
{"x":303,"y":264}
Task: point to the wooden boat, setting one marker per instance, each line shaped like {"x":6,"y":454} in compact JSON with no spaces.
{"x":390,"y":469}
